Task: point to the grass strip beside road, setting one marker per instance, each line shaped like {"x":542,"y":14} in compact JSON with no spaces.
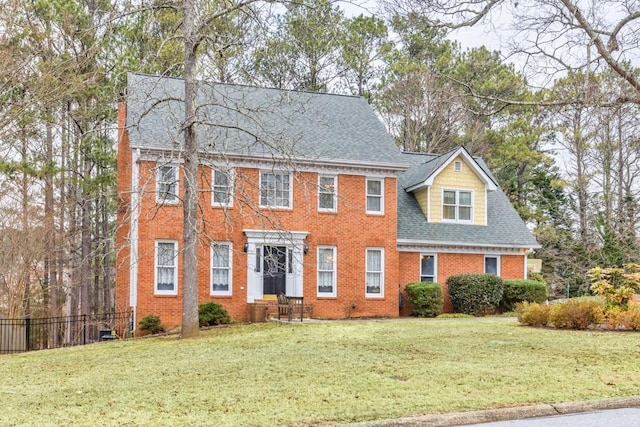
{"x":316,"y":373}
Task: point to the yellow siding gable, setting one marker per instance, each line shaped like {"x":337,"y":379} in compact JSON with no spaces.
{"x":449,"y":179}
{"x":423,"y":200}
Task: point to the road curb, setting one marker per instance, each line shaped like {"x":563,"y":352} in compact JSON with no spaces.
{"x":505,"y":414}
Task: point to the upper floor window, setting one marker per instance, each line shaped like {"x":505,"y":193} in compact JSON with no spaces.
{"x":375,"y":272}
{"x":222,"y":187}
{"x":375,"y":195}
{"x":492,"y":265}
{"x":427,"y":268}
{"x":327,"y":193}
{"x":326,"y":271}
{"x":275,"y":189}
{"x":166,"y":267}
{"x":221,"y":256}
{"x":167,"y":184}
{"x":456,"y":205}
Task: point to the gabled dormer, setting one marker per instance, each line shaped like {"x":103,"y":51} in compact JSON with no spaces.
{"x":451,"y":188}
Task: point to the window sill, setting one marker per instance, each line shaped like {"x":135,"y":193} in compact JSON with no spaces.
{"x":225,"y":296}
{"x":165,"y":295}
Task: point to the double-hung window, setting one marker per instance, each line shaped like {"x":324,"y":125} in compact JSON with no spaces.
{"x":222,"y":187}
{"x":327,"y":193}
{"x":457,"y":205}
{"x":374,"y":272}
{"x":167,"y":184}
{"x":427,"y":268}
{"x":492,"y":265}
{"x":275,"y":190}
{"x":166,"y":282}
{"x":326,"y":271}
{"x":221,"y":270}
{"x":375,"y":195}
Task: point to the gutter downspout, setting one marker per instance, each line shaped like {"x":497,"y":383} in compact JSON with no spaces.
{"x":135,"y":213}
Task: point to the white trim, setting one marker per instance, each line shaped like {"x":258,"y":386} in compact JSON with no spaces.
{"x":230,"y":173}
{"x":435,"y":265}
{"x":409,"y":244}
{"x":453,"y":248}
{"x":525,"y":276}
{"x":275,"y":172}
{"x":228,"y":292}
{"x":176,"y":198}
{"x":135,"y":213}
{"x":457,"y":206}
{"x":266,"y":161}
{"x":381,"y":196}
{"x":335,"y":193}
{"x":174,"y":291}
{"x":334,"y":284}
{"x":381,"y":272}
{"x":457,"y":166}
{"x":497,"y":257}
{"x":469,"y":160}
{"x":256,"y":239}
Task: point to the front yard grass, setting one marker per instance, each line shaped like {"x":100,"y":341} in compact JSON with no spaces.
{"x":316,"y":373}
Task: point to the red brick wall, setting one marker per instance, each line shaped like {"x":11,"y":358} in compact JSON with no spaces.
{"x":449,"y":264}
{"x":350,"y":229}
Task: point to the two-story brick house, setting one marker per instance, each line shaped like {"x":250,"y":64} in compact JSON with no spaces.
{"x":300,"y":193}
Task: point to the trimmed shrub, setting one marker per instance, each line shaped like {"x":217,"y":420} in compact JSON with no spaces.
{"x":475,"y":294}
{"x":533,"y":314}
{"x":212,"y":313}
{"x":516,"y":291}
{"x":577,"y":313}
{"x":151,"y":324}
{"x":426,"y":298}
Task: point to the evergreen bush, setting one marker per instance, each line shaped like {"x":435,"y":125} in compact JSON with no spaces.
{"x":426,"y":298}
{"x":212,"y":313}
{"x":516,"y":291}
{"x":151,"y":324}
{"x":475,"y":294}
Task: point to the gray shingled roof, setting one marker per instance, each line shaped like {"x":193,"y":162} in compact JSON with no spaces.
{"x":251,"y":121}
{"x":504,"y":225}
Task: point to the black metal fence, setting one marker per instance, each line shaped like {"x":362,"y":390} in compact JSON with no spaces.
{"x":28,"y":334}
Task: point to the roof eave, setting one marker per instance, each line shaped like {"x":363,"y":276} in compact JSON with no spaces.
{"x":412,"y":242}
{"x":396,"y":167}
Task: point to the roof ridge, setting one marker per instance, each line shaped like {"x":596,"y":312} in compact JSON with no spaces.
{"x":211,"y":82}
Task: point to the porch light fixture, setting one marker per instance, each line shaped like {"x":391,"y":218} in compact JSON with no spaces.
{"x":305,"y":249}
{"x":245,"y":248}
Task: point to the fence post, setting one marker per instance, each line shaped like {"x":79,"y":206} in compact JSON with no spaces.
{"x":27,"y":324}
{"x":84,"y":329}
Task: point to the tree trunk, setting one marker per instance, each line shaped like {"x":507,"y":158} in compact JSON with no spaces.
{"x":190,"y":326}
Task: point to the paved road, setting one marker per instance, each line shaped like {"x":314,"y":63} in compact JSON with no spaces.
{"x":627,"y":417}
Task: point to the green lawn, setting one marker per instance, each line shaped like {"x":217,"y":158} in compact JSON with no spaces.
{"x":316,"y":373}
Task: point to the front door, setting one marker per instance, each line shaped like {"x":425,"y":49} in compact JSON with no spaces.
{"x":274,"y":278}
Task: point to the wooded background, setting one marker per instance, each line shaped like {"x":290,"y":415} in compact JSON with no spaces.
{"x":559,"y":129}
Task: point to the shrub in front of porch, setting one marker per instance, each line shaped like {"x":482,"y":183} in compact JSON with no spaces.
{"x":426,"y":298}
{"x":475,"y":294}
